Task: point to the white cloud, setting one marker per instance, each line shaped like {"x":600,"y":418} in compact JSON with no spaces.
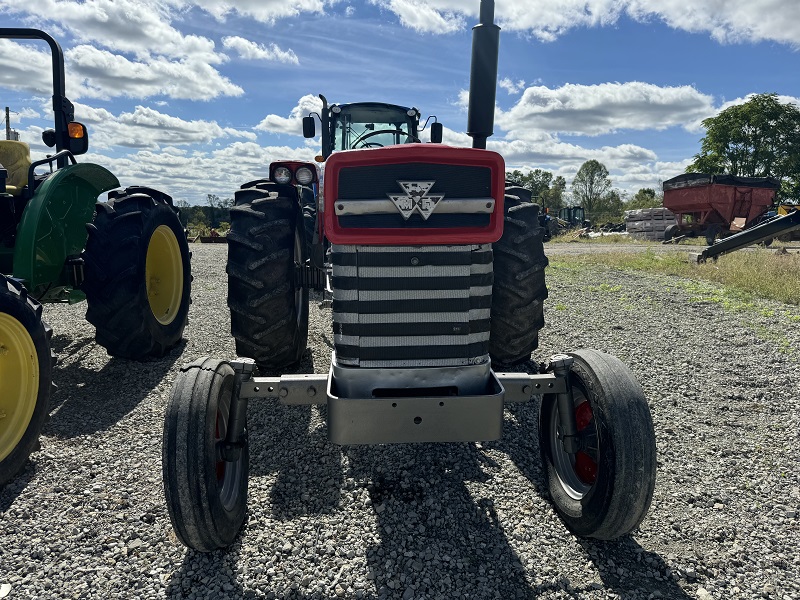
{"x":147,"y":128}
{"x":23,"y":67}
{"x":138,"y":27}
{"x":512,"y":87}
{"x":293,"y":125}
{"x":253,"y":51}
{"x":164,"y":61}
{"x":605,"y":108}
{"x":266,"y":11}
{"x":102,"y":74}
{"x":729,"y":21}
{"x":426,"y":16}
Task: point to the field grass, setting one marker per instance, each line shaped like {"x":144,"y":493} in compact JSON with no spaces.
{"x":739,"y":276}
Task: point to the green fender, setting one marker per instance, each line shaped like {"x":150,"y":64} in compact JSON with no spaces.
{"x":53,"y":228}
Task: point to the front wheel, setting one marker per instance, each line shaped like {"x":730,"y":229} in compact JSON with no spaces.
{"x":138,"y":275}
{"x":26,"y":375}
{"x":604,"y":490}
{"x":206,"y":493}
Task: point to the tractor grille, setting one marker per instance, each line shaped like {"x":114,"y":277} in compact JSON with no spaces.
{"x":401,"y":306}
{"x":455,"y":182}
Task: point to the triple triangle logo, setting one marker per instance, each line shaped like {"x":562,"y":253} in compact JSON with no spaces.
{"x":415,"y":199}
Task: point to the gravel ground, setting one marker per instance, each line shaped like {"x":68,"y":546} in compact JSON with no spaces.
{"x":87,"y":518}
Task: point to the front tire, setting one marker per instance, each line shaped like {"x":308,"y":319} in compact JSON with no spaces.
{"x":519,"y":288}
{"x":138,"y":275}
{"x":26,"y":376}
{"x":206,"y":495}
{"x":605,"y":489}
{"x":269,"y":306}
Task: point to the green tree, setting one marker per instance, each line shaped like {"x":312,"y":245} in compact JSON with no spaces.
{"x":553,"y":197}
{"x":536,"y":180}
{"x":645,"y":198}
{"x":759,"y":138}
{"x":590,"y":188}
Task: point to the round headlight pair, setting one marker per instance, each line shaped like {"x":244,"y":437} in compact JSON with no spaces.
{"x":284,"y":175}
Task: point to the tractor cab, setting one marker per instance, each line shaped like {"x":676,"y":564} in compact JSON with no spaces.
{"x":367,"y":125}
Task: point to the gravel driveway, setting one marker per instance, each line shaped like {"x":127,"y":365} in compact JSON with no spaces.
{"x":87,"y":518}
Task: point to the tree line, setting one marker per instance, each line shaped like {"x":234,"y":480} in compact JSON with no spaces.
{"x":758,"y":138}
{"x":591,"y":188}
{"x":201,"y":219}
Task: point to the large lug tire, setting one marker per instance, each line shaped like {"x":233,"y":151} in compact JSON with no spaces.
{"x":137,"y":276}
{"x":26,"y":376}
{"x":605,"y":489}
{"x":206,"y":495}
{"x":268,"y":304}
{"x":519,"y":288}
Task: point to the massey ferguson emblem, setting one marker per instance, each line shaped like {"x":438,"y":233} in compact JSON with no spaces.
{"x":415,"y":198}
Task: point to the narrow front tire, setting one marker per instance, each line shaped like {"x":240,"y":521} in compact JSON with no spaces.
{"x":604,"y":490}
{"x":206,"y":493}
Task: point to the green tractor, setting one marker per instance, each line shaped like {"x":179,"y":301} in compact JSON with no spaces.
{"x":127,"y":257}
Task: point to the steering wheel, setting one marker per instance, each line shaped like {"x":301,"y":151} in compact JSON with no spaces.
{"x":362,"y":138}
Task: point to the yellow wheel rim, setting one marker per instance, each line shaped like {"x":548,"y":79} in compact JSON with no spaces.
{"x":19,"y":378}
{"x":164,"y":275}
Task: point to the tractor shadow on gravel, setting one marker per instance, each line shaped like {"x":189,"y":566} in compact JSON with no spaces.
{"x":639,"y":567}
{"x":89,"y":399}
{"x":436,"y":537}
{"x":290,"y":443}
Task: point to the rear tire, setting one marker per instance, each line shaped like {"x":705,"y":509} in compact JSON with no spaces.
{"x":26,"y":376}
{"x":519,"y":288}
{"x":138,"y":275}
{"x":206,"y":495}
{"x":604,"y":491}
{"x":269,"y":307}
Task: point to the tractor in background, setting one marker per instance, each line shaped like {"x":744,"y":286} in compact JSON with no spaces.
{"x":436,"y":271}
{"x":127,"y":257}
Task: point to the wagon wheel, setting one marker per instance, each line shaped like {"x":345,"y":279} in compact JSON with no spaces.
{"x":206,"y":492}
{"x":605,"y":489}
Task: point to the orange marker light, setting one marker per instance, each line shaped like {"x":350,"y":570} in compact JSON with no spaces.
{"x":75,"y":130}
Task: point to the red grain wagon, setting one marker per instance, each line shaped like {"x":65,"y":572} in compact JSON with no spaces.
{"x":712,"y":205}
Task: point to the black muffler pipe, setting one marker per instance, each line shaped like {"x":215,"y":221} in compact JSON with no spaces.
{"x":483,"y":76}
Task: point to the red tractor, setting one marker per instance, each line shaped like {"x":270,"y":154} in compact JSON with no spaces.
{"x":436,"y":270}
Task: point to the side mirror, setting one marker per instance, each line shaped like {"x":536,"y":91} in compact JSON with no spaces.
{"x":78,"y":140}
{"x":309,"y":128}
{"x":436,"y":133}
{"x":49,"y":137}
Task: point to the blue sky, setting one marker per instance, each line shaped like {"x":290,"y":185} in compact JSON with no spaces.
{"x":195,"y":97}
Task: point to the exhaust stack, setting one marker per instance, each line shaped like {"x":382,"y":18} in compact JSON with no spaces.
{"x":483,"y":76}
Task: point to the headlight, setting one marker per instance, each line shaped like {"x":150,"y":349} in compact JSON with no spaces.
{"x":304,"y":175}
{"x":282,"y":175}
